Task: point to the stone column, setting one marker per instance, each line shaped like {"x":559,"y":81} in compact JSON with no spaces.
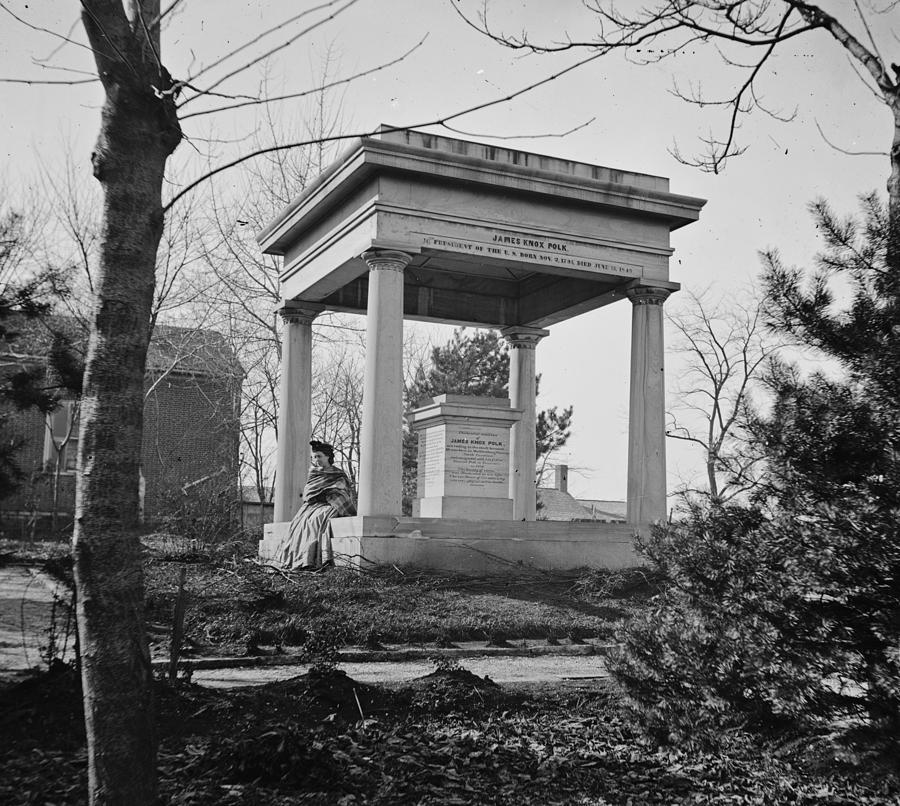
{"x":522,"y":342}
{"x":294,"y":407}
{"x":647,"y":408}
{"x":381,"y":437}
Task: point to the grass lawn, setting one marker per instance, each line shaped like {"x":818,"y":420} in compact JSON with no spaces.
{"x":235,"y":605}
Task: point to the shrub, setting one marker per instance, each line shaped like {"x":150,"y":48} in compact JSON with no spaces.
{"x":207,"y":514}
{"x":767,"y":620}
{"x":789,"y":608}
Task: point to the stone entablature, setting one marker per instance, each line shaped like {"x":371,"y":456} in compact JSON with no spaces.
{"x":496,"y":237}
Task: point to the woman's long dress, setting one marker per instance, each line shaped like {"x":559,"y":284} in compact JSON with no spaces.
{"x":327,"y":495}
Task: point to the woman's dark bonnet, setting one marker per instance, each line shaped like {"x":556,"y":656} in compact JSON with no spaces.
{"x":323,"y":447}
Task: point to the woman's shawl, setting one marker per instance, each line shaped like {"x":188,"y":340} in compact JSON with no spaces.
{"x":330,"y":487}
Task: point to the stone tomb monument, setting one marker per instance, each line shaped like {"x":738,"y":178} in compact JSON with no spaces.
{"x":464,"y":458}
{"x":411,"y":225}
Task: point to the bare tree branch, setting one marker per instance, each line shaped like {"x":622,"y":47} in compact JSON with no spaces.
{"x":574,"y":129}
{"x":41,"y":29}
{"x":333,"y":138}
{"x":271,"y":51}
{"x":256,"y":100}
{"x":848,"y":151}
{"x":865,"y":23}
{"x":165,"y":13}
{"x":48,"y":82}
{"x":40,"y":63}
{"x":114,"y":16}
{"x":646,"y":37}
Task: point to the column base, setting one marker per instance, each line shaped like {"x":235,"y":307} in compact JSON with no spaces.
{"x":273,"y":536}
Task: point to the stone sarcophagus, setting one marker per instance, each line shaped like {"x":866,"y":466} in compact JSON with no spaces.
{"x":464,"y":457}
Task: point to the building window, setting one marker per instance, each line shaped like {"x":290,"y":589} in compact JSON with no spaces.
{"x":61,"y":441}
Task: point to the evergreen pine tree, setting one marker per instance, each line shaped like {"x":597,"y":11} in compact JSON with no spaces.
{"x":787,"y":609}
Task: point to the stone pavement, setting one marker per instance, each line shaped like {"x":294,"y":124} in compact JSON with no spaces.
{"x":27,"y":613}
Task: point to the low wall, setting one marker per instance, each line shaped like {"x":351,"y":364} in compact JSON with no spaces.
{"x":471,"y":547}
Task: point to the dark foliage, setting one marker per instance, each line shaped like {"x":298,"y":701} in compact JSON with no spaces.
{"x":785,"y":611}
{"x":475,"y":365}
{"x":23,"y":383}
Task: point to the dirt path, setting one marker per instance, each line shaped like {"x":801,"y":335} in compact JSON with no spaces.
{"x":542,"y":669}
{"x":26,"y":619}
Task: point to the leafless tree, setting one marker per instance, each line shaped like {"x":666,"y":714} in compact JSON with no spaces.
{"x":140,"y":130}
{"x":746,"y":34}
{"x":141,"y":127}
{"x":725,"y":347}
{"x":70,"y":237}
{"x":59,"y":460}
{"x":240,"y":286}
{"x":337,"y":405}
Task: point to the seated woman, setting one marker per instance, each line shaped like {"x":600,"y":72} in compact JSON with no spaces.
{"x":327,"y":495}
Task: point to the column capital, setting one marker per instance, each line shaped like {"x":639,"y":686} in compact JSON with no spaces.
{"x":299,"y":312}
{"x":386,"y":259}
{"x":648,"y":295}
{"x":520,"y":337}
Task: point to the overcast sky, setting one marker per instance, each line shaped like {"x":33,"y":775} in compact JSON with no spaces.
{"x":758,"y":202}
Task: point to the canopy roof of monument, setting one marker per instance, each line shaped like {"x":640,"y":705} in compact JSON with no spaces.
{"x":496,"y":236}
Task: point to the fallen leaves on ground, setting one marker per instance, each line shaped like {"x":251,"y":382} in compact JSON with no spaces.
{"x":304,"y":741}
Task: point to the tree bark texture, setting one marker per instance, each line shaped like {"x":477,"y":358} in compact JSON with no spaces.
{"x":893,"y":188}
{"x":139,"y":130}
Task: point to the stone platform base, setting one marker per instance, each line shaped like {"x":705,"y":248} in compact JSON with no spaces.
{"x":464,"y":507}
{"x":471,"y":547}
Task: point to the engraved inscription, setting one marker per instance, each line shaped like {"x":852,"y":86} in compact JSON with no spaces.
{"x":534,"y":249}
{"x":477,"y":461}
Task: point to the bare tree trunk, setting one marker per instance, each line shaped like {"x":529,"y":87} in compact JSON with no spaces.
{"x":54,"y":512}
{"x":711,"y":478}
{"x":893,"y":188}
{"x":139,"y":130}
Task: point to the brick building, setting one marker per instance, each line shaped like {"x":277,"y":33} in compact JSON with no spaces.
{"x":191,"y":427}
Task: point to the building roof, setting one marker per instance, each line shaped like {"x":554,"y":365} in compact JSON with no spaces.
{"x":604,"y":509}
{"x":555,"y":505}
{"x":193,"y":351}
